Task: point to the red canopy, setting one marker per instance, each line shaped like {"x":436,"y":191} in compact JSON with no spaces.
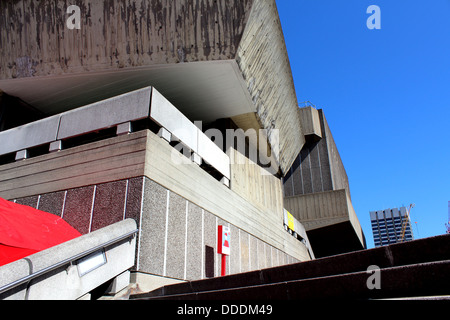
{"x":25,"y":231}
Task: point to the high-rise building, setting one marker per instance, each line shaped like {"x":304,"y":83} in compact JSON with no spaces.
{"x":387,"y":226}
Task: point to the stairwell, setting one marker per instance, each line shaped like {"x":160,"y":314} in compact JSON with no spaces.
{"x":412,"y":270}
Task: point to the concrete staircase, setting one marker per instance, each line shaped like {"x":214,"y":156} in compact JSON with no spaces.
{"x":419,"y":270}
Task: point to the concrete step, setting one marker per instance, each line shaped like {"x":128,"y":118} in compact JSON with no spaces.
{"x":408,"y":253}
{"x":418,"y":280}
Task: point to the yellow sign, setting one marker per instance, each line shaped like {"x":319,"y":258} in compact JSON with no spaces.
{"x":291,"y":221}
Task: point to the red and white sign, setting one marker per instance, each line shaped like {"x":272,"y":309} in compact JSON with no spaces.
{"x":224,"y":241}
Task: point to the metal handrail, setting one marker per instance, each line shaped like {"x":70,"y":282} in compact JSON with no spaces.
{"x":308,"y":104}
{"x":66,"y":261}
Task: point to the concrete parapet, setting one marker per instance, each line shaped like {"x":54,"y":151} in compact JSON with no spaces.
{"x":118,"y":111}
{"x":30,"y":135}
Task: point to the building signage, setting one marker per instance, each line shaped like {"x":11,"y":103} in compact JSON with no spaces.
{"x":224,"y":241}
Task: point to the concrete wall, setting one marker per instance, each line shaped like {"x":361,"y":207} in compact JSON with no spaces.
{"x":255,"y":184}
{"x":177,"y":237}
{"x":264,"y":63}
{"x":177,"y":206}
{"x":318,"y":167}
{"x":330,"y":221}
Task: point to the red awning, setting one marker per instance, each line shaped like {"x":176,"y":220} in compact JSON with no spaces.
{"x":25,"y":231}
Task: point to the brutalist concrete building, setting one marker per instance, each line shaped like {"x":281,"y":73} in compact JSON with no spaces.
{"x":179,"y":115}
{"x":317,"y":190}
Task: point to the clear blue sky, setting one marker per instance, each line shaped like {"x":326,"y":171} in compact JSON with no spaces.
{"x":386,"y":96}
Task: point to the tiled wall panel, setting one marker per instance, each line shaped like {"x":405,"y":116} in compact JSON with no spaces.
{"x":177,"y":238}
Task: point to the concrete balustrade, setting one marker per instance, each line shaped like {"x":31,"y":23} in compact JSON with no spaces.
{"x":30,"y":135}
{"x":118,"y":112}
{"x":169,"y":117}
{"x":296,"y":227}
{"x":213,"y":155}
{"x":105,"y":114}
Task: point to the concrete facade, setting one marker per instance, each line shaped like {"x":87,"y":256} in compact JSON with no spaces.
{"x":317,"y":191}
{"x":177,"y":203}
{"x":117,"y":119}
{"x":318,"y":167}
{"x":212,"y":59}
{"x":175,"y":236}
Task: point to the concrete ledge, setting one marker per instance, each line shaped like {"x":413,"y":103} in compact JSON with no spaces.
{"x":31,"y":135}
{"x":105,"y":114}
{"x":119,"y":111}
{"x":169,"y":117}
{"x":330,"y":214}
{"x":213,"y":155}
{"x":310,"y":122}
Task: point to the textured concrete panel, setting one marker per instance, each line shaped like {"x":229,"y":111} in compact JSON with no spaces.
{"x":297,"y":179}
{"x":235,"y":257}
{"x":52,"y":203}
{"x":28,"y":201}
{"x":134,"y":199}
{"x":288,"y":186}
{"x":275,"y":257}
{"x":245,"y":251}
{"x":307,"y":182}
{"x":78,"y":207}
{"x":317,"y":179}
{"x":262,"y":260}
{"x":109,"y":204}
{"x":210,"y":239}
{"x":175,"y":254}
{"x":194,"y":243}
{"x":153,"y":227}
{"x":268,"y":255}
{"x":253,"y":253}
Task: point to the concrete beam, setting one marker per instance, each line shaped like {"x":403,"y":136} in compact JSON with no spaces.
{"x":310,"y":120}
{"x":105,"y":114}
{"x":31,"y":135}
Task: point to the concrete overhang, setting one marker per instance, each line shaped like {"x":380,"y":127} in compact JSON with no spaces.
{"x":330,"y":221}
{"x":204,"y":91}
{"x":212,"y":59}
